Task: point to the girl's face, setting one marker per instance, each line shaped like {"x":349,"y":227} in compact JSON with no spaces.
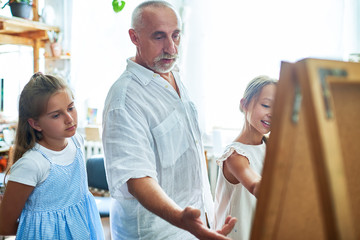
{"x":59,"y":121}
{"x":259,"y":110}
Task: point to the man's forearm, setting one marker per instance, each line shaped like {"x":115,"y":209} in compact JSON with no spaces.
{"x":149,"y":193}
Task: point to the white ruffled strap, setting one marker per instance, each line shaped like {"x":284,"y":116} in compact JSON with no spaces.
{"x":228,"y":151}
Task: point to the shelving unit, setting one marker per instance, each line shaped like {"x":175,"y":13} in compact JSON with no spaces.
{"x":62,"y":57}
{"x":58,"y":66}
{"x":20,"y":31}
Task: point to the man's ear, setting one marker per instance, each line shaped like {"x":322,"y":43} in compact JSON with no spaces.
{"x":134,"y":37}
{"x":34,"y":124}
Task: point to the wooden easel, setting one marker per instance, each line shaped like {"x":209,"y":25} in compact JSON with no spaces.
{"x":311,"y":179}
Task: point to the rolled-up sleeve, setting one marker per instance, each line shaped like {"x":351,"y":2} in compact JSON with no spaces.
{"x":128,"y":147}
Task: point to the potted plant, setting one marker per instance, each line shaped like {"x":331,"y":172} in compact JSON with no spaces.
{"x":118,"y":6}
{"x":20,"y":8}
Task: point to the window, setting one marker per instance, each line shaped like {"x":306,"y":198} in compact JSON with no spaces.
{"x":227,"y":43}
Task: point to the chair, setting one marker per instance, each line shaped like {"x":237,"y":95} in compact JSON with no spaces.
{"x":97,"y":179}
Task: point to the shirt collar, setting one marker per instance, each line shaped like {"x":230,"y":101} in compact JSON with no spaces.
{"x":143,"y":74}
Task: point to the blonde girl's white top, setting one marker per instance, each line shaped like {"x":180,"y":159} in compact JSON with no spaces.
{"x":33,"y":168}
{"x":235,"y":199}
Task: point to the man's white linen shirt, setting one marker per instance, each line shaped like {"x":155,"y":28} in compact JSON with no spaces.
{"x":148,"y":130}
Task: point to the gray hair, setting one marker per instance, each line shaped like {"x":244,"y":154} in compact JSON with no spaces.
{"x":254,"y":88}
{"x":136,"y":19}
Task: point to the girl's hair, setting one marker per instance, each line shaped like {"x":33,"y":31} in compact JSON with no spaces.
{"x":254,"y":88}
{"x":32,"y":104}
{"x":253,"y":91}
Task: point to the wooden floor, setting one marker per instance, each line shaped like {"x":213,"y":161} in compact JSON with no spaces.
{"x":105,"y":222}
{"x":106,"y":226}
{"x":8,"y":238}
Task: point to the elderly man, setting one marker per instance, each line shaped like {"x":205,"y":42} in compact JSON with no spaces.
{"x":153,"y":148}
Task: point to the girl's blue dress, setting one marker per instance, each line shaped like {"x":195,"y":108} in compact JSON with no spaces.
{"x":61,"y":207}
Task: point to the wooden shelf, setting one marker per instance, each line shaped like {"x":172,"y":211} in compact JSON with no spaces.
{"x":23,"y":32}
{"x":20,"y":31}
{"x":4,"y":149}
{"x":62,"y":57}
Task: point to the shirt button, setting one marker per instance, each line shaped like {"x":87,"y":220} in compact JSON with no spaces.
{"x":166,"y":86}
{"x":154,"y":75}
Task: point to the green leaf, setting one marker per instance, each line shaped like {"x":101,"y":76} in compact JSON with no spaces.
{"x":117,"y":7}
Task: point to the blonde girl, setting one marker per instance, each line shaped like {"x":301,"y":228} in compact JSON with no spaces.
{"x":242,"y":161}
{"x":46,"y":196}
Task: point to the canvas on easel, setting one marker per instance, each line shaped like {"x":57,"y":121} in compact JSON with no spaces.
{"x":310,"y":186}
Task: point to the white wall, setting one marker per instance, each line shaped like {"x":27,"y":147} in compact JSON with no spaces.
{"x":100,"y":47}
{"x":238,"y":40}
{"x":225,"y":44}
{"x":16,"y":68}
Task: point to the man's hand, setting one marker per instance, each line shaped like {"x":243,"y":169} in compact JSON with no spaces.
{"x":149,"y":193}
{"x":228,"y":225}
{"x":190,"y":221}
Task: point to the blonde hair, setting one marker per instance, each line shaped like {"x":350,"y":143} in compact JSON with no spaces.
{"x":32,"y":104}
{"x":253,"y":91}
{"x":254,"y":88}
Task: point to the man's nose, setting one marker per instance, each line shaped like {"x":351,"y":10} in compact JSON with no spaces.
{"x":170,"y":46}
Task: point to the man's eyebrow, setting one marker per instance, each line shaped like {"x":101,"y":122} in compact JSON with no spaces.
{"x":158,"y":33}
